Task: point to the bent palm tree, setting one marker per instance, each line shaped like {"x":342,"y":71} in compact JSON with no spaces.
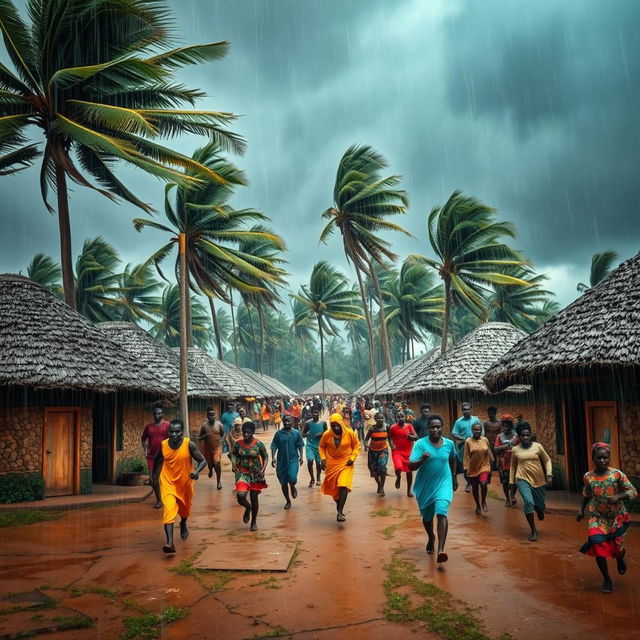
{"x":43,"y":270}
{"x":136,"y":296}
{"x":362,"y":201}
{"x":328,"y":297}
{"x":466,"y":238}
{"x":601,"y":266}
{"x":94,"y":78}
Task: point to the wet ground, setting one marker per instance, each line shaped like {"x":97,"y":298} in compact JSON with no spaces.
{"x":105,"y":565}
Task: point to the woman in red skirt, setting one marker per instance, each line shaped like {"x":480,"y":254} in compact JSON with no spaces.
{"x":401,"y":438}
{"x":604,"y":490}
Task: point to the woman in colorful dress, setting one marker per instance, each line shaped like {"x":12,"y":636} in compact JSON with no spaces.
{"x":278,"y":412}
{"x":377,"y":439}
{"x":604,"y":491}
{"x":476,"y":460}
{"x":434,"y":458}
{"x":531,"y":473}
{"x":339,"y":447}
{"x":505,"y":441}
{"x":249,"y":459}
{"x":401,"y":437}
{"x":347,"y":414}
{"x":265,"y":411}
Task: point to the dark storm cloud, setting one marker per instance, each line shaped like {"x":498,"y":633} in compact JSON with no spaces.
{"x":531,"y":107}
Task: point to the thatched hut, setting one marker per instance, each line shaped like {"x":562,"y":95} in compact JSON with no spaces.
{"x":448,"y":379}
{"x":401,"y":374}
{"x":63,"y":386}
{"x":584,"y":365}
{"x":330,"y":387}
{"x":203,"y":391}
{"x":369,"y":388}
{"x":266,"y":385}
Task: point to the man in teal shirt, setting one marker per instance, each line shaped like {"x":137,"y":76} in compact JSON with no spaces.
{"x":227,"y":419}
{"x":460,"y":432}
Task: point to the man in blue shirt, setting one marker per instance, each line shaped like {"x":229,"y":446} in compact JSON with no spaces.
{"x":227,"y":419}
{"x":460,"y":432}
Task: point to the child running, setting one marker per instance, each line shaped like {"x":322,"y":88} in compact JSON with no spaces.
{"x":476,"y":460}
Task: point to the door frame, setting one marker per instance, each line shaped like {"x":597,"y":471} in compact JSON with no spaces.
{"x":76,"y":442}
{"x":615,"y":447}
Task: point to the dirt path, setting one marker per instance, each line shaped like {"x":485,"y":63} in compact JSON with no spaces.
{"x":107,"y":564}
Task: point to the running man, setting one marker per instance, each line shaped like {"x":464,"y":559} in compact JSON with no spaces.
{"x":312,"y":431}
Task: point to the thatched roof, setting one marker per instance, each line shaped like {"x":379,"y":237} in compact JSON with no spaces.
{"x":46,"y":345}
{"x":232,"y":379}
{"x":329,"y":387}
{"x":268,"y":387}
{"x":284,"y":389}
{"x":462,"y":366}
{"x":599,"y":330}
{"x":381,"y":378}
{"x":159,"y":358}
{"x":409,"y":370}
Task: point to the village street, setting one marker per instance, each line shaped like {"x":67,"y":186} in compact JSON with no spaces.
{"x":107,"y":564}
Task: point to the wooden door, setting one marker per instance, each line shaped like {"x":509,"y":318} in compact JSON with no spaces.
{"x":61,"y":460}
{"x":602,"y":426}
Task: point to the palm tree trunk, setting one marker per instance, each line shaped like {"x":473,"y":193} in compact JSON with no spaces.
{"x":216,"y":328}
{"x":321,"y":355}
{"x":383,"y":321}
{"x":233,"y":326}
{"x":66,"y":258}
{"x":253,"y":336}
{"x":261,"y":322}
{"x":358,"y":363}
{"x":367,"y":317}
{"x":184,"y":296}
{"x":447,"y":312}
{"x":189,"y":324}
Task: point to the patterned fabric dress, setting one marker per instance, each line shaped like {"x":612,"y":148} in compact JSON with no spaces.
{"x":248,"y":460}
{"x":608,"y":523}
{"x":378,"y":455}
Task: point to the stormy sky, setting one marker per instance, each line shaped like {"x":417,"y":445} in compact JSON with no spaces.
{"x":532,"y":107}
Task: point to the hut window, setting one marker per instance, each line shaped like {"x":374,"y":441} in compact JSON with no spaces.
{"x":119,"y":425}
{"x":559,"y":415}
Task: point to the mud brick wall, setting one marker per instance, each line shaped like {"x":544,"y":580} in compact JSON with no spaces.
{"x":21,"y":430}
{"x":630,"y":437}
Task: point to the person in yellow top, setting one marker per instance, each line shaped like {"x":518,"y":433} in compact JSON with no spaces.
{"x":174,"y":467}
{"x":531,"y":472}
{"x":476,"y":461}
{"x":339,"y":447}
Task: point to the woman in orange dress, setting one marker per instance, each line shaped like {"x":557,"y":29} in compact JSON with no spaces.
{"x":338,"y":448}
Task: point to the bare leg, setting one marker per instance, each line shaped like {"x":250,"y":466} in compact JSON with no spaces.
{"x":168,"y":532}
{"x":318,"y":472}
{"x":342,"y":498}
{"x":184,"y":532}
{"x":483,"y":489}
{"x":607,"y":585}
{"x":443,"y":529}
{"x":476,"y":497}
{"x":254,"y":510}
{"x":505,"y":488}
{"x":431,"y":538}
{"x":398,"y":478}
{"x":534,"y":533}
{"x":409,"y":483}
{"x":241,"y":497}
{"x":310,"y":469}
{"x":293,"y":490}
{"x":156,"y":490}
{"x":382,"y":477}
{"x":285,"y":493}
{"x":218,"y":469}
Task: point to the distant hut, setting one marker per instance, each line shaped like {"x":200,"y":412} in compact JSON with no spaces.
{"x":401,"y":374}
{"x":448,"y":379}
{"x":202,"y":391}
{"x":330,"y":388}
{"x":584,"y":365}
{"x":64,"y":387}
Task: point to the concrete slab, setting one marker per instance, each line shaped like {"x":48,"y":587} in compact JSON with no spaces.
{"x":262,"y":555}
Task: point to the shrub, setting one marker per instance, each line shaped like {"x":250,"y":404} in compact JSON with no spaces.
{"x":130,"y":465}
{"x":21,"y":487}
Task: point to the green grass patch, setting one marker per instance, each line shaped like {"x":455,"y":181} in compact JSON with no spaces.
{"x":107,"y":592}
{"x":63,"y":623}
{"x":389,"y":532}
{"x":149,"y":626}
{"x":381,"y":513}
{"x":410,"y":599}
{"x":213,"y":581}
{"x":28,"y":516}
{"x":268,"y":583}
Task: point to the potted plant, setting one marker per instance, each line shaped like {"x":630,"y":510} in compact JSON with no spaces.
{"x":131,"y":472}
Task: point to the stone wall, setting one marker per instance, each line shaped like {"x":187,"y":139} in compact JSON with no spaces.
{"x":21,"y":431}
{"x":86,"y":437}
{"x":630,"y":437}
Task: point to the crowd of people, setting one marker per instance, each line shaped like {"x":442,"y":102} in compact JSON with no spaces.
{"x":332,"y":432}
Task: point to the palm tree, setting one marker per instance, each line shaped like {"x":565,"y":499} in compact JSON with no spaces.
{"x":97,"y":79}
{"x":362,"y":201}
{"x":167,"y":326}
{"x":466,"y":238}
{"x":43,"y":270}
{"x":328,"y":297}
{"x":601,"y":266}
{"x":414,"y":304}
{"x":214,"y":235}
{"x":519,"y":305}
{"x":136,"y":296}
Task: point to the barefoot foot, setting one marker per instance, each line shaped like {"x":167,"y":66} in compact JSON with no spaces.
{"x":294,"y":493}
{"x":184,"y":532}
{"x":622,"y":565}
{"x":340,"y":517}
{"x":169,"y":548}
{"x":246,"y":516}
{"x":540,"y":514}
{"x":157,"y":505}
{"x":397,"y":483}
{"x":253,"y":527}
{"x":478,"y":511}
{"x":287,"y":505}
{"x":484,"y":507}
{"x":442,"y":557}
{"x":533,"y":537}
{"x":607,"y":586}
{"x":430,"y":546}
{"x":311,"y":482}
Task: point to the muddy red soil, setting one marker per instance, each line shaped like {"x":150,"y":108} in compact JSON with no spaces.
{"x":107,"y":564}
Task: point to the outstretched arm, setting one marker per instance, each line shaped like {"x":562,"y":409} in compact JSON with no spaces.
{"x":157,"y":467}
{"x":199,"y":458}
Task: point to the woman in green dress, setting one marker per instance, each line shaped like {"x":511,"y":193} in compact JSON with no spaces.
{"x":249,"y":459}
{"x":604,"y":490}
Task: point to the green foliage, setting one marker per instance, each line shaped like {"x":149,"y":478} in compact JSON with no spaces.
{"x":130,"y":465}
{"x":149,"y":626}
{"x":46,"y":272}
{"x":634,"y":505}
{"x":86,"y":481}
{"x":28,"y":516}
{"x":601,"y":266}
{"x":21,"y":487}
